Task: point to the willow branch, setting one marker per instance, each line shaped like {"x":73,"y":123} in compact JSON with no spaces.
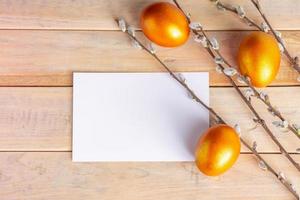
{"x":258,"y":118}
{"x":294,"y":61}
{"x":232,"y":9}
{"x":268,"y":167}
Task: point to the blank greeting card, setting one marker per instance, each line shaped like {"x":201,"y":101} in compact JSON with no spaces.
{"x":137,"y":116}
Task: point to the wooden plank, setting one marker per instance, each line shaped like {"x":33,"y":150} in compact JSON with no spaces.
{"x":35,"y":118}
{"x":39,"y":119}
{"x":99,"y":14}
{"x":48,"y":58}
{"x":53,"y":176}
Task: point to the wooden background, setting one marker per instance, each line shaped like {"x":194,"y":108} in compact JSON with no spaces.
{"x":43,"y":41}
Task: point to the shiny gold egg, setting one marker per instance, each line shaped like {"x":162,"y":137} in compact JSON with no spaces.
{"x":164,"y":24}
{"x":259,"y":58}
{"x":217,"y":150}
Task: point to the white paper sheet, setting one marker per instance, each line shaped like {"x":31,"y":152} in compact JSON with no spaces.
{"x":137,"y":116}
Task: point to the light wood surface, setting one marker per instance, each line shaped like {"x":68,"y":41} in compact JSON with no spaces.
{"x":40,"y":118}
{"x":43,"y":41}
{"x":48,"y":58}
{"x":51,"y":176}
{"x":100,"y":14}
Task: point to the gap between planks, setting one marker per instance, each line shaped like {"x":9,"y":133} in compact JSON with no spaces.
{"x":60,"y":151}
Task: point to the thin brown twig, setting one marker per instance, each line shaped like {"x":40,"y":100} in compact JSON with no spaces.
{"x":294,"y":61}
{"x":214,"y":113}
{"x":258,"y":118}
{"x":258,"y":95}
{"x":251,"y":22}
{"x":232,"y":9}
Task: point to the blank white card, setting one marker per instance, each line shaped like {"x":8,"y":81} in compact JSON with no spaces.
{"x":137,"y":116}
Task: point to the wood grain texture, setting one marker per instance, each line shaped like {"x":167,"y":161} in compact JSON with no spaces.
{"x":99,"y":14}
{"x":48,"y":58}
{"x":39,"y":119}
{"x":44,"y":41}
{"x":35,"y":118}
{"x":52,"y":176}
